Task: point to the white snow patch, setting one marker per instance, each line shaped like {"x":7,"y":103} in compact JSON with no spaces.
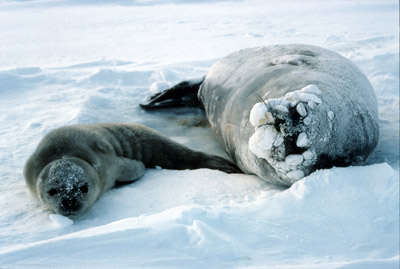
{"x":261,"y":142}
{"x":295,"y":175}
{"x":311,"y":89}
{"x":266,"y":136}
{"x":281,"y":109}
{"x":331,"y":115}
{"x":258,"y":114}
{"x":307,"y":120}
{"x":278,"y":140}
{"x":283,"y":166}
{"x":335,"y":218}
{"x":300,"y":108}
{"x":274,"y":102}
{"x":60,"y":220}
{"x":302,"y":140}
{"x":312,"y":104}
{"x":294,"y":159}
{"x":304,"y":97}
{"x":308,"y":155}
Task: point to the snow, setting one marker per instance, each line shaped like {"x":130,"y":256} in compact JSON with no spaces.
{"x":294,"y":159}
{"x":308,"y":155}
{"x":301,"y":109}
{"x":295,"y":175}
{"x":85,"y":62}
{"x":311,"y":89}
{"x":258,"y":114}
{"x":302,"y":140}
{"x":331,"y":115}
{"x":265,"y":136}
{"x":60,"y":220}
{"x":305,"y":97}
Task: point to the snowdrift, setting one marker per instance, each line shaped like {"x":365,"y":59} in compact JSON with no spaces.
{"x":68,"y":62}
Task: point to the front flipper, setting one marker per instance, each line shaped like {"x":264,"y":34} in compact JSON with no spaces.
{"x":128,"y":171}
{"x":184,"y":94}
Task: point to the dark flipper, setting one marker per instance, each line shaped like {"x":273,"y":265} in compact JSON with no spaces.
{"x":184,"y":94}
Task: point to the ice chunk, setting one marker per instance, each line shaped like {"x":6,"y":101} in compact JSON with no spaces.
{"x":294,"y":159}
{"x":282,"y":109}
{"x":254,"y":148}
{"x":278,"y":102}
{"x":300,"y":108}
{"x":305,"y":97}
{"x":258,"y":114}
{"x":159,"y":86}
{"x":302,"y":140}
{"x":308,"y":155}
{"x":312,"y":105}
{"x":311,"y":89}
{"x":262,"y":141}
{"x":283,"y":166}
{"x":265,"y":136}
{"x":307,"y":120}
{"x":278,"y":140}
{"x":331,"y":115}
{"x":60,"y":220}
{"x":295,"y":175}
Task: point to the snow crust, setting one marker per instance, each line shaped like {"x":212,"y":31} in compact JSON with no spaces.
{"x":267,"y":140}
{"x":59,"y":65}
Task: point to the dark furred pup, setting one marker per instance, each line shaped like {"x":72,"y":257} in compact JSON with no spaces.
{"x":73,"y":165}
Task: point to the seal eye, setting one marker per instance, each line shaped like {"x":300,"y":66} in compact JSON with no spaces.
{"x":53,"y":192}
{"x":84,"y":188}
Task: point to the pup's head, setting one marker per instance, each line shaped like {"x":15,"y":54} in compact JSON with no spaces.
{"x":68,"y":186}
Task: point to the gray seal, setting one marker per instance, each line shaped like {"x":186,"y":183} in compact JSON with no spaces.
{"x":74,"y":165}
{"x":284,"y":111}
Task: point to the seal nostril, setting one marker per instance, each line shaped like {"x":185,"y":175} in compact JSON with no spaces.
{"x":52,"y":192}
{"x":84,"y":188}
{"x":70,"y":204}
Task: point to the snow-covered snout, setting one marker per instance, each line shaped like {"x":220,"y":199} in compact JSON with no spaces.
{"x":65,"y":187}
{"x":283,"y":133}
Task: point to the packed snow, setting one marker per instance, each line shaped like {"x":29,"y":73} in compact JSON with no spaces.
{"x":67,"y":62}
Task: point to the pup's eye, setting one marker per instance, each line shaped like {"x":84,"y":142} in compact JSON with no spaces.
{"x":84,"y":188}
{"x":53,"y":192}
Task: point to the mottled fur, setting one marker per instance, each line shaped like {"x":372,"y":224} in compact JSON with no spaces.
{"x":107,"y":154}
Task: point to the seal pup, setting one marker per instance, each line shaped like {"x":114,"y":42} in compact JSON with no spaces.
{"x":284,"y":111}
{"x":74,"y":165}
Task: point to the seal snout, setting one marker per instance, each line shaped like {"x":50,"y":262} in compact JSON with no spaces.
{"x":69,"y":187}
{"x":70,"y":204}
{"x":284,"y":133}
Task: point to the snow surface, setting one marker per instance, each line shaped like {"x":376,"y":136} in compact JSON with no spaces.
{"x":65,"y":62}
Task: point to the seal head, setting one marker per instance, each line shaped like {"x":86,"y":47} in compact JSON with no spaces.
{"x":65,"y":186}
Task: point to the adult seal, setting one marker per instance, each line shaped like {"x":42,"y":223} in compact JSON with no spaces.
{"x":73,"y":165}
{"x":284,"y":111}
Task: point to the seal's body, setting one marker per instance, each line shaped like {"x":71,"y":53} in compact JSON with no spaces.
{"x":281,"y":112}
{"x":73,"y":165}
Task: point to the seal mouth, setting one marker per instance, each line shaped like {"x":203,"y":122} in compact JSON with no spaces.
{"x":71,"y":213}
{"x":68,"y":214}
{"x":71,"y":206}
{"x":283,"y":134}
